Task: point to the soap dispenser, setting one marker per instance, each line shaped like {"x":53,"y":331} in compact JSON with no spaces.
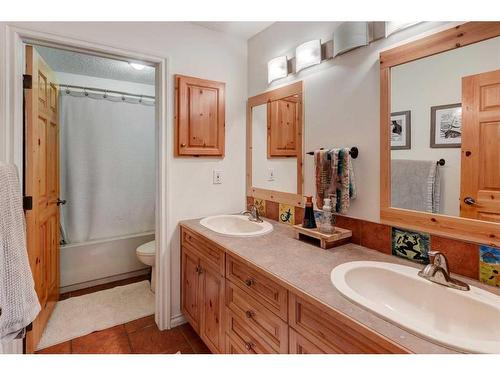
{"x":309,"y":221}
{"x":326,"y":219}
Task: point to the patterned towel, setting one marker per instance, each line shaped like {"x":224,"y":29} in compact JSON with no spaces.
{"x":342,"y":186}
{"x":323,"y":176}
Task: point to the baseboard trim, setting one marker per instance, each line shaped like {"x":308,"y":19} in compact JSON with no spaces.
{"x":177,"y":320}
{"x":104,"y":280}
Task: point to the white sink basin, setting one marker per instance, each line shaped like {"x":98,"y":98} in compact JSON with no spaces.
{"x":236,"y":226}
{"x":463,"y":320}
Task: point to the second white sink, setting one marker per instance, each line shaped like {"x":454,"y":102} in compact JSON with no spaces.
{"x":464,"y":320}
{"x":236,"y":226}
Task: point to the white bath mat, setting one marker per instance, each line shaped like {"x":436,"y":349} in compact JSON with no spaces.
{"x":78,"y":316}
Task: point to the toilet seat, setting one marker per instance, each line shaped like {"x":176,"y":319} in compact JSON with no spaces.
{"x":147,"y":249}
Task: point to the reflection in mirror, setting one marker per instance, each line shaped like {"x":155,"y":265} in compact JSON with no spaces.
{"x":276,"y":128}
{"x":447,"y":106}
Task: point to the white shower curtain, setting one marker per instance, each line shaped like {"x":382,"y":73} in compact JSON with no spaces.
{"x":107,"y":168}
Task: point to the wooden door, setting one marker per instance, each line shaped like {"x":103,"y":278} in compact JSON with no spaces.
{"x":200,"y":117}
{"x":212,"y":327}
{"x":191,"y":296}
{"x":42,"y":184}
{"x":283,"y":126}
{"x":480,"y":175}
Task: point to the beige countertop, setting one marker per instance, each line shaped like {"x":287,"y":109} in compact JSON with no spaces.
{"x":307,"y":268}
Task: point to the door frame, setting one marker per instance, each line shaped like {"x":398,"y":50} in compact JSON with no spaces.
{"x":12,"y":99}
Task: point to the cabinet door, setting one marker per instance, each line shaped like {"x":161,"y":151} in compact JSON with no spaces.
{"x":283,"y":126}
{"x":212,"y":289}
{"x":200,"y":117}
{"x":191,"y":288}
{"x":300,"y":345}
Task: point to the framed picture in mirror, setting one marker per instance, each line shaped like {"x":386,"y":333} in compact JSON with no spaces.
{"x":400,"y":130}
{"x":446,"y":126}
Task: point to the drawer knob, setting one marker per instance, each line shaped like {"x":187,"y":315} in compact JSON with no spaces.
{"x":199,"y":270}
{"x":249,"y":346}
{"x":249,"y":282}
{"x":249,"y":314}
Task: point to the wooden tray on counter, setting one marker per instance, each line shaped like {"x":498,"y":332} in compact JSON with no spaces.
{"x":341,"y":236}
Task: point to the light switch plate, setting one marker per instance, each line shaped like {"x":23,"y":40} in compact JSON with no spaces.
{"x":217,"y":177}
{"x":271,"y":174}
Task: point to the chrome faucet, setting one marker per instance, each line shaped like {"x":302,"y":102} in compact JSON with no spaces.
{"x":438,"y":272}
{"x":253,"y":213}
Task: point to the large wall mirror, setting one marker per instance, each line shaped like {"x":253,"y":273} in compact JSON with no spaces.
{"x":440,"y":126}
{"x":274,"y":144}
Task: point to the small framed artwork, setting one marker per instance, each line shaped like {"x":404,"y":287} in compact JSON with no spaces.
{"x":400,"y":130}
{"x":446,"y":126}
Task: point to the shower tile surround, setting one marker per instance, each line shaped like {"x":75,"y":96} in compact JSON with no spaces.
{"x":464,"y":258}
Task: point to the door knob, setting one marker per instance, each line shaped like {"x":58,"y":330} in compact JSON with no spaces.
{"x":470,"y":201}
{"x":61,"y":202}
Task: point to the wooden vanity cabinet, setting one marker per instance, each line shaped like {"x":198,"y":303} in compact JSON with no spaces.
{"x":202,"y":290}
{"x":238,"y":308}
{"x":199,"y":117}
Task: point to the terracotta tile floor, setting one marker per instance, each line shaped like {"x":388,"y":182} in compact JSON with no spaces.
{"x":140,"y":336}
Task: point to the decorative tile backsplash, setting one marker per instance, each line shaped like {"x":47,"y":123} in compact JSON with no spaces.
{"x":260,"y":204}
{"x":410,"y":245}
{"x":480,"y":262}
{"x":287,"y":214}
{"x":489,"y":265}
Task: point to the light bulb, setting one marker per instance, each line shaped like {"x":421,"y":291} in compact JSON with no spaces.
{"x":137,"y":66}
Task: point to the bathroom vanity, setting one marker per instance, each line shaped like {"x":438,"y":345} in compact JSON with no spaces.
{"x":273,"y":294}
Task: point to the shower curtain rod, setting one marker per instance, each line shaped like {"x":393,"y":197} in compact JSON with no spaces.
{"x":62,"y":85}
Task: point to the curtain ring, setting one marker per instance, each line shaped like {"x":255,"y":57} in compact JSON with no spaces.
{"x":123,"y":98}
{"x":140,"y":100}
{"x":85,"y":92}
{"x":105,"y":94}
{"x":67,"y":90}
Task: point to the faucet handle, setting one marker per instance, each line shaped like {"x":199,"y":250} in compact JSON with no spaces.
{"x":439,"y":259}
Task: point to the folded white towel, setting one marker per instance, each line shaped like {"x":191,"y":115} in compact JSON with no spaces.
{"x":18,"y":299}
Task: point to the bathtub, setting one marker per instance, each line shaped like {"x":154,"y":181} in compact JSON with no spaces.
{"x":87,"y":264}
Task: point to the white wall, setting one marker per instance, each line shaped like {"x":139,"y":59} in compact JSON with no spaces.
{"x":437,"y":80}
{"x":285,"y":169}
{"x":341,"y":99}
{"x":191,"y":50}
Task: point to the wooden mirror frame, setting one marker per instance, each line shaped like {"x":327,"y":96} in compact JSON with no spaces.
{"x":450,"y":226}
{"x":274,"y":195}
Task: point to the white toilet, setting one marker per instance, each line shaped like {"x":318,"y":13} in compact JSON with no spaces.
{"x":146,"y":254}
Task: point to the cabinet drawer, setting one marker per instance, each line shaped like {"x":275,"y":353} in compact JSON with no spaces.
{"x":206,"y":249}
{"x":243,"y":337}
{"x":258,"y":285}
{"x":262,"y":321}
{"x":300,"y":345}
{"x":327,"y":328}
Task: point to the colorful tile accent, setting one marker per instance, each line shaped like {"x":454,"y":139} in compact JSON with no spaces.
{"x":411,"y":245}
{"x":261,"y":206}
{"x":489,"y":265}
{"x":287,"y":214}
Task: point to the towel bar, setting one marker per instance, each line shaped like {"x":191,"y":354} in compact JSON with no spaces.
{"x":354,"y":152}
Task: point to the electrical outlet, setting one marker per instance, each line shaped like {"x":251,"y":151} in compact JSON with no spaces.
{"x":271,"y":174}
{"x":217,"y":177}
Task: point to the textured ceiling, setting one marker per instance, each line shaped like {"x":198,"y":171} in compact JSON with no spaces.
{"x":244,"y":30}
{"x":94,"y":66}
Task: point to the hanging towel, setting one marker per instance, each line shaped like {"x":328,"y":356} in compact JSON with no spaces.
{"x":18,"y":300}
{"x":415,"y":185}
{"x":342,"y":184}
{"x":322,"y":174}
